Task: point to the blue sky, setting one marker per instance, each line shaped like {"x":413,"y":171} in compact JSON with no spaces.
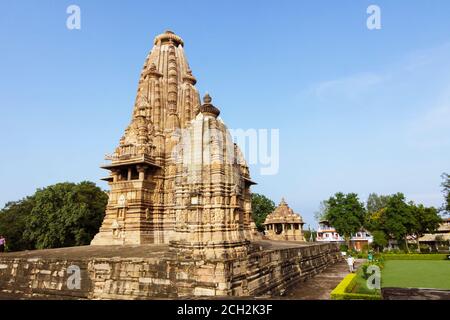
{"x":358,"y":110}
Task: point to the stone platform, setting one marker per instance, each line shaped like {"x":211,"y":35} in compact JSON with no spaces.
{"x":154,"y":272}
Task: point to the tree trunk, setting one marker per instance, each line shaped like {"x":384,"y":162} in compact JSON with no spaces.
{"x":418,"y":244}
{"x":406,"y":244}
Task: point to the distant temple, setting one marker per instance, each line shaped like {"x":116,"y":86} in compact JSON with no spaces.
{"x":327,"y":233}
{"x":284,"y":224}
{"x":176,"y":176}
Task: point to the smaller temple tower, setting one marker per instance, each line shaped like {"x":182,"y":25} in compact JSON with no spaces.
{"x":284,"y":224}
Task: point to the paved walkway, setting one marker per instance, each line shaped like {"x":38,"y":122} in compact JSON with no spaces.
{"x":320,"y":286}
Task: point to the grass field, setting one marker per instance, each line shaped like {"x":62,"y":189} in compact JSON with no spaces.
{"x":416,"y":274}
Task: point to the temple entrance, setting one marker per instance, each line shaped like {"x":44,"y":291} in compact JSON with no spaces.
{"x":278,"y":229}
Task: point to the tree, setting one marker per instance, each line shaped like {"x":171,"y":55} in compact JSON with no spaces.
{"x":310,"y":234}
{"x":66,"y":214}
{"x":426,"y":220}
{"x":446,"y":190}
{"x":376,"y":202}
{"x":379,"y":239}
{"x":261,"y":207}
{"x":12,"y":224}
{"x":346,"y":214}
{"x":397,"y":219}
{"x":322,"y":212}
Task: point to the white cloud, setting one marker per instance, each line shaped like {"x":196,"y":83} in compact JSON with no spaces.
{"x":426,"y":57}
{"x":413,"y":93}
{"x":350,"y":87}
{"x":407,"y":70}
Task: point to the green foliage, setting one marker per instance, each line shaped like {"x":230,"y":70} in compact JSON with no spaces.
{"x":364,"y":274}
{"x":398,"y":219}
{"x":308,"y":234}
{"x":425,"y":247}
{"x":343,"y":287}
{"x":376,"y":202}
{"x":379,"y":239}
{"x":426,"y":220}
{"x":355,"y":296}
{"x":414,"y":256}
{"x":345,"y":213}
{"x":357,"y":254}
{"x":61,"y":215}
{"x":66,"y":214}
{"x":261,"y":207}
{"x":344,"y":290}
{"x":12,"y":223}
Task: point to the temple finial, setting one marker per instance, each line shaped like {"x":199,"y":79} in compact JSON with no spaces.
{"x":168,"y":37}
{"x":207,"y":98}
{"x":208,"y":108}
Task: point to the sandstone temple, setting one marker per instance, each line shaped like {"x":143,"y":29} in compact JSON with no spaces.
{"x":176,"y":176}
{"x":179,"y":218}
{"x":284,"y":224}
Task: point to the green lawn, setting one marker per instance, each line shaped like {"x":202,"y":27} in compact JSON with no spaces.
{"x":416,"y":274}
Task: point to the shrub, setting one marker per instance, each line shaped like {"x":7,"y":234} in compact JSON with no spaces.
{"x":415,"y":256}
{"x":364,"y":270}
{"x":395,"y":251}
{"x":378,"y":263}
{"x":344,"y":288}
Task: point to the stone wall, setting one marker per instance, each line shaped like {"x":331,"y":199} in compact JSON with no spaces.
{"x":265,"y":271}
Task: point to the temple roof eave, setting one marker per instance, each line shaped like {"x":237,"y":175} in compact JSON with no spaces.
{"x":125,"y":163}
{"x":283,"y":214}
{"x":249,"y":181}
{"x":272,"y":221}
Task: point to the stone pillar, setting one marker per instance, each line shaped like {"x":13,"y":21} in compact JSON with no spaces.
{"x":115,"y":174}
{"x":141,"y":170}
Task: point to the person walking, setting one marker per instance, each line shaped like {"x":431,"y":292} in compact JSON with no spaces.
{"x":351,"y":263}
{"x":2,"y":243}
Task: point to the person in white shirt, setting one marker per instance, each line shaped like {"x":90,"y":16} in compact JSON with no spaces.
{"x":351,"y":263}
{"x":2,"y":243}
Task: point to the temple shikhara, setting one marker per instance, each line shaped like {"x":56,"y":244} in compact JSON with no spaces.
{"x":179,"y":217}
{"x":176,"y":176}
{"x":284,"y":224}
